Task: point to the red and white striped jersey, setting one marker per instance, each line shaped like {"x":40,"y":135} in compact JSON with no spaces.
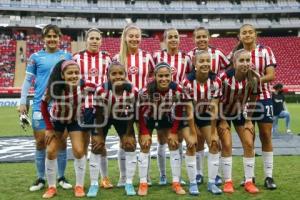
{"x":123,"y":103}
{"x":235,"y":94}
{"x":65,"y":108}
{"x":158,"y":104}
{"x":219,"y":61}
{"x":202,"y":93}
{"x":140,"y":68}
{"x":263,"y":57}
{"x":93,"y":67}
{"x":180,"y":63}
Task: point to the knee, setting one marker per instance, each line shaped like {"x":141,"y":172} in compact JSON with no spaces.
{"x":173,"y":147}
{"x":129,"y":148}
{"x":129,"y":145}
{"x":51,"y":153}
{"x":145,"y":149}
{"x":226,"y":147}
{"x":214,"y":146}
{"x":40,"y":143}
{"x":266,"y":136}
{"x":99,"y":149}
{"x":63,"y":144}
{"x":78,"y":152}
{"x":191,"y":151}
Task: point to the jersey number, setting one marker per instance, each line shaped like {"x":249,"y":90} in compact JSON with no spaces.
{"x":269,"y":109}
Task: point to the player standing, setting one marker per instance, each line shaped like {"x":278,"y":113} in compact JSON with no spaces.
{"x":39,"y":68}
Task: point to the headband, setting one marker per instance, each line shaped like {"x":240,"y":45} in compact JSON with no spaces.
{"x":161,"y":65}
{"x":67,"y":63}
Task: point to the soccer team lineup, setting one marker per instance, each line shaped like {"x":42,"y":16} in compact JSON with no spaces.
{"x":186,"y":99}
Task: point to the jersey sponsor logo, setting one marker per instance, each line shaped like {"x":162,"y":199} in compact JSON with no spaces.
{"x":174,"y":70}
{"x":93,"y":72}
{"x":133,"y":70}
{"x":62,"y":57}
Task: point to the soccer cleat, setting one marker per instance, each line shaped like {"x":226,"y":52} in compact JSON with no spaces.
{"x":93,"y":190}
{"x":63,"y":182}
{"x":228,"y":187}
{"x":129,"y":189}
{"x":143,"y":189}
{"x":105,"y":183}
{"x":79,"y":191}
{"x":243,"y":181}
{"x":250,"y":187}
{"x":193,"y":189}
{"x":211,"y":187}
{"x":288,"y":131}
{"x":176,"y":187}
{"x":163,"y":180}
{"x":51,"y":192}
{"x":218,"y":180}
{"x":270,"y":184}
{"x":37,"y":185}
{"x":199,"y":179}
{"x":121,"y":182}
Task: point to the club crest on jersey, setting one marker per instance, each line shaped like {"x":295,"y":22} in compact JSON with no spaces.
{"x":133,"y":70}
{"x":62,"y":57}
{"x":174,"y":70}
{"x":93,"y":72}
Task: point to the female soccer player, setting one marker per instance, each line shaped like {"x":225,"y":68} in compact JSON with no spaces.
{"x":115,"y":103}
{"x":156,"y":103}
{"x":139,"y":66}
{"x":39,"y":68}
{"x":65,"y":92}
{"x":240,"y":87}
{"x":93,"y":67}
{"x":219,"y":62}
{"x":264,"y":61}
{"x":181,"y":66}
{"x":205,"y":90}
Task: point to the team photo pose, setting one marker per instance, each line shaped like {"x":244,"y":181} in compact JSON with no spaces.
{"x":115,"y":103}
{"x":219,"y":62}
{"x":139,"y":66}
{"x":65,"y":92}
{"x":39,"y":68}
{"x":240,"y":86}
{"x":181,"y":66}
{"x":262,"y":57}
{"x":204,"y":87}
{"x":93,"y":67}
{"x":155,"y":112}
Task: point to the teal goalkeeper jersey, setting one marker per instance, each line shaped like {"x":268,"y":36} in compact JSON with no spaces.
{"x":40,"y":65}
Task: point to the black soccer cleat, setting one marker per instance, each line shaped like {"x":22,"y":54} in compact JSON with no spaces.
{"x":270,"y":184}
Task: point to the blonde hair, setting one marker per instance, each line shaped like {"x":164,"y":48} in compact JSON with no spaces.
{"x":123,"y":46}
{"x":166,"y":35}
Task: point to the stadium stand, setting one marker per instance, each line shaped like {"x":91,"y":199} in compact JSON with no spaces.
{"x":7,"y":62}
{"x":152,"y":16}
